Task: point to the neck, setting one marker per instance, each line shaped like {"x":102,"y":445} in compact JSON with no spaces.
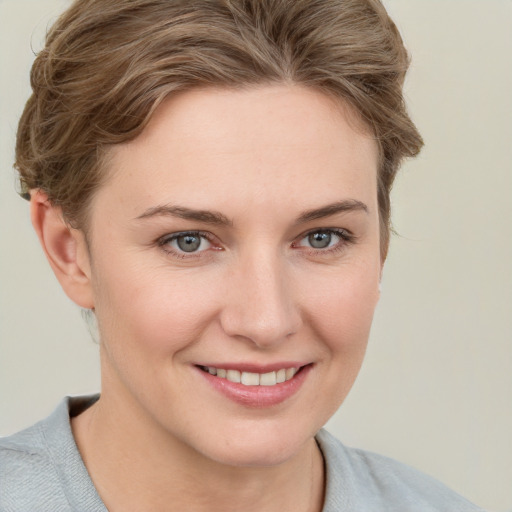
{"x":135,"y":465}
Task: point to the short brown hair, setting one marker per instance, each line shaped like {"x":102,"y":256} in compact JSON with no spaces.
{"x":108,"y":64}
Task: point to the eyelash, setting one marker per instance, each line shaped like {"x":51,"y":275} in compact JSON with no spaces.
{"x":165,"y":240}
{"x":346,"y":238}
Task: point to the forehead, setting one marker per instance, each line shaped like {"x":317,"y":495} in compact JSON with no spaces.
{"x":253,"y":146}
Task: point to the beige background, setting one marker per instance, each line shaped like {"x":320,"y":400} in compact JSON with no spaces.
{"x":436,"y":388}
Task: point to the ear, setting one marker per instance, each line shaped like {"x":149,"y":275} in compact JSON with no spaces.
{"x":65,"y":247}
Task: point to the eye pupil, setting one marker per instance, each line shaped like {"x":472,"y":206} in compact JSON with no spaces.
{"x":320,"y":240}
{"x":188,"y":243}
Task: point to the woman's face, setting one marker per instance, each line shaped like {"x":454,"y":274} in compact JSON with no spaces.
{"x":238,"y":233}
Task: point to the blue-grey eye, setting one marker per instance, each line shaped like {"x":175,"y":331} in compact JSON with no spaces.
{"x":187,"y":242}
{"x":324,"y":239}
{"x":320,"y":239}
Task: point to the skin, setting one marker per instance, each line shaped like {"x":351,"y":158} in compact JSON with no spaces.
{"x":256,"y":292}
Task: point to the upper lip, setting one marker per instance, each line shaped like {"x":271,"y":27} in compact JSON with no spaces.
{"x":255,"y":368}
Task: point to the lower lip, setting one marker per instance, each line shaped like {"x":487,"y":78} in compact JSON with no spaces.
{"x":258,"y":396}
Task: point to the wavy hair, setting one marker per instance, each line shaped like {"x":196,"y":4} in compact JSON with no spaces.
{"x":108,"y":64}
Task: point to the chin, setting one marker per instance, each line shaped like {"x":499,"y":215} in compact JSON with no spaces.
{"x":256,"y":446}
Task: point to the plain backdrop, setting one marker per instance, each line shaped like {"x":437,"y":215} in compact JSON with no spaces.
{"x":436,"y":388}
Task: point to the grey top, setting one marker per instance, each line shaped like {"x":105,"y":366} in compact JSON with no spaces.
{"x":41,"y":471}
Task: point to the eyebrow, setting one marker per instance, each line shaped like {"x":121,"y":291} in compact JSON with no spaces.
{"x":205,"y":216}
{"x":347,"y":205}
{"x":218,"y":219}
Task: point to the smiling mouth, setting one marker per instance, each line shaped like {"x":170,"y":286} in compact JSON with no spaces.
{"x":253,"y":379}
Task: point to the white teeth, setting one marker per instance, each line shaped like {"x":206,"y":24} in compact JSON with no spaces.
{"x":253,"y":379}
{"x":233,"y":375}
{"x":290,"y":372}
{"x":250,"y":379}
{"x":268,"y":379}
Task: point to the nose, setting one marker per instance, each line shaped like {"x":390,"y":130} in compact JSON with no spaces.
{"x":260,"y":303}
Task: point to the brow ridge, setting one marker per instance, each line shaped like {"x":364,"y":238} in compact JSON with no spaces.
{"x":346,"y":205}
{"x":217,"y":218}
{"x":206,"y":216}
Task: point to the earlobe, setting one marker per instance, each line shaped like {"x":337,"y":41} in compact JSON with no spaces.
{"x":65,"y":248}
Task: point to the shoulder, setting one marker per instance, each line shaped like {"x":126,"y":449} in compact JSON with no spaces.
{"x":26,"y":471}
{"x":41,"y":469}
{"x":363,"y":481}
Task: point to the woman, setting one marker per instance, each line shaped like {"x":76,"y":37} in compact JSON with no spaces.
{"x":211,"y":181}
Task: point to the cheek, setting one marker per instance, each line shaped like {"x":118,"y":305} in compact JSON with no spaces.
{"x":341,"y":311}
{"x":340,"y":316}
{"x":154,"y":312}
